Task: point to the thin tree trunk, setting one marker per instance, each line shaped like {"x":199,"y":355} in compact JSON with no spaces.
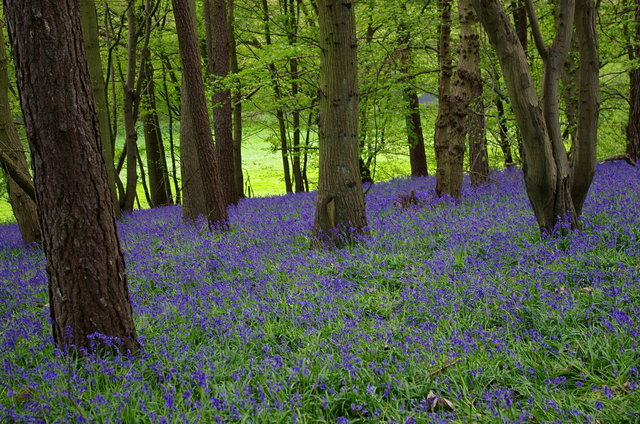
{"x":90,"y":35}
{"x":14,"y":161}
{"x":236,"y":103}
{"x":503,"y":129}
{"x":340,"y":212}
{"x":214,"y":199}
{"x":292,"y":31}
{"x":171,"y":111}
{"x":159,"y":183}
{"x":633,"y":126}
{"x":88,"y":290}
{"x":413,"y":121}
{"x":280,"y":115}
{"x":131,"y":137}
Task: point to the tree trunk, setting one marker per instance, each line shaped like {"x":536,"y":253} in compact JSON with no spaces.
{"x":441,"y":136}
{"x":503,"y":129}
{"x":280,"y":116}
{"x":583,"y":158}
{"x":413,"y":122}
{"x":633,"y":127}
{"x":129,"y":99}
{"x":218,"y":38}
{"x":13,"y":156}
{"x":85,"y":266}
{"x":456,"y":123}
{"x":549,"y":186}
{"x":90,"y":35}
{"x":292,"y":35}
{"x":236,"y":104}
{"x":214,"y":200}
{"x":340,"y":211}
{"x":193,"y":203}
{"x":478,"y":155}
{"x":159,"y":183}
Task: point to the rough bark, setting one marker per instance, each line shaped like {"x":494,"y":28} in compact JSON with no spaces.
{"x":476,"y":130}
{"x":215,"y":210}
{"x":193,"y":203}
{"x":13,"y":161}
{"x":218,"y":39}
{"x":550,"y":186}
{"x":85,"y":266}
{"x":633,"y":126}
{"x":90,"y":35}
{"x":583,"y":158}
{"x":159,"y":183}
{"x":340,"y":213}
{"x":441,"y":136}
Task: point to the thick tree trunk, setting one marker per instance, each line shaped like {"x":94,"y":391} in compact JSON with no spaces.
{"x":193,"y":203}
{"x":633,"y":126}
{"x":159,"y":183}
{"x":540,"y":172}
{"x":214,"y":200}
{"x":14,"y":161}
{"x":441,"y":135}
{"x":90,"y":35}
{"x":550,"y":186}
{"x":85,"y":266}
{"x":340,"y":211}
{"x":218,"y":38}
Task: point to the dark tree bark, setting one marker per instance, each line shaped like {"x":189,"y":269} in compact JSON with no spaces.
{"x":503,"y":140}
{"x":129,"y":102}
{"x":87,"y":284}
{"x":215,"y":210}
{"x":218,"y":39}
{"x":476,"y":130}
{"x":520,"y":21}
{"x":236,"y":104}
{"x":90,"y":35}
{"x":441,"y":136}
{"x":583,"y":158}
{"x":340,"y":211}
{"x":633,"y":126}
{"x":159,"y":183}
{"x":14,"y":161}
{"x":292,"y":31}
{"x":413,"y":121}
{"x":280,"y":115}
{"x":556,"y":191}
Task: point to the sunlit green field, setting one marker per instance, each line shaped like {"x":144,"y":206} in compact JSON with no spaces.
{"x":263,"y":172}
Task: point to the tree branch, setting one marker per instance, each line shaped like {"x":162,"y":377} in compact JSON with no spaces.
{"x":535,"y":29}
{"x":22,"y":180}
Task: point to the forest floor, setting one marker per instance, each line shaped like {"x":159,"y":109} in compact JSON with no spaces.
{"x":450,"y":312}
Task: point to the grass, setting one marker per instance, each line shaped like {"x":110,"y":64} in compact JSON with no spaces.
{"x":449,"y":313}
